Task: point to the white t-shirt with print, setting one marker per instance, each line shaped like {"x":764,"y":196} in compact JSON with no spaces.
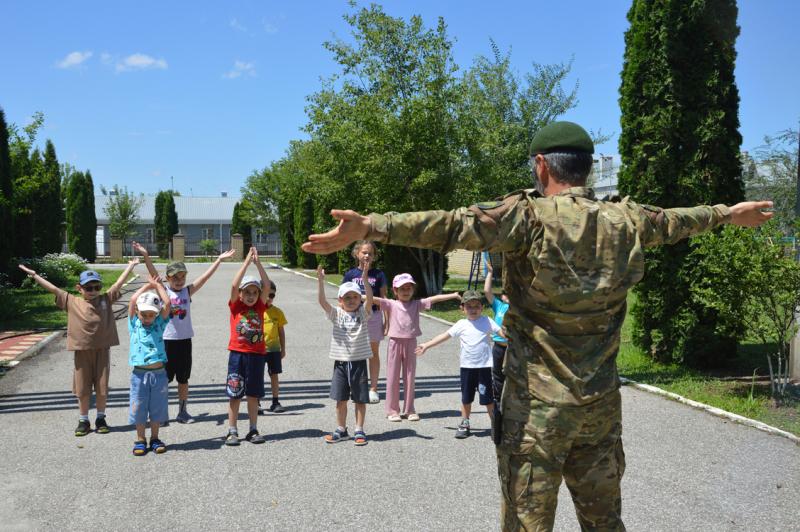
{"x":476,"y":342}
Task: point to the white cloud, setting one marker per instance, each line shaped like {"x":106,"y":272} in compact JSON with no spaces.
{"x":238,"y":26}
{"x":140,"y":62}
{"x":241,"y":68}
{"x":74,"y":59}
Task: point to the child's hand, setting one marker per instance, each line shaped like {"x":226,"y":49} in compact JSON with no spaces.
{"x":254,"y":254}
{"x":420,"y":350}
{"x":27,"y":270}
{"x":154,"y":281}
{"x":283,"y":354}
{"x":364,"y":264}
{"x":456,"y":295}
{"x":228,"y":254}
{"x":489,"y":267}
{"x":134,"y":261}
{"x":320,"y":272}
{"x":140,"y":248}
{"x":249,"y":256}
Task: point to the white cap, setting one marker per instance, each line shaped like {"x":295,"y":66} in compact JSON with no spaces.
{"x":349,"y":286}
{"x":148,"y":301}
{"x":248,"y":280}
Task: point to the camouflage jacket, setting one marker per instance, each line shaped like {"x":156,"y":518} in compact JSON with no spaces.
{"x":569,"y":262}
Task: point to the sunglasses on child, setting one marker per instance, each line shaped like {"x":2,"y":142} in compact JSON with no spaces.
{"x":271,"y":295}
{"x":92,"y":287}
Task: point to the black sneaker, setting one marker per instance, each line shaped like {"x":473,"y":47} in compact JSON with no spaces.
{"x":100,"y":426}
{"x":83,"y":428}
{"x":276,"y":408}
{"x":463,"y":429}
{"x":254,"y":437}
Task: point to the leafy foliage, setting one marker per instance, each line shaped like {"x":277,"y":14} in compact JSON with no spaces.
{"x":166,"y":221}
{"x":679,"y":146}
{"x":80,"y":215}
{"x":6,"y":198}
{"x":241,"y":225}
{"x":771,"y":173}
{"x":209,"y":246}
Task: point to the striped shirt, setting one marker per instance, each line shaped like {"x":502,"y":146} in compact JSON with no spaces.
{"x":350,"y":338}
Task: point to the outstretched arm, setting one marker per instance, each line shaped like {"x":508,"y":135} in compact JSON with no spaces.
{"x":200,"y":281}
{"x":239,"y":274}
{"x":368,"y":295}
{"x":487,"y":284}
{"x":151,"y":269}
{"x":444,"y":297}
{"x":41,"y":281}
{"x":117,"y":286}
{"x":436,"y":340}
{"x":321,"y":290}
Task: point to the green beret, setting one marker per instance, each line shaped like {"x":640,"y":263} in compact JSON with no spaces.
{"x":561,"y":136}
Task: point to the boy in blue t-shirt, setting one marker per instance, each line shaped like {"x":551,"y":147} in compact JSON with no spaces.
{"x":499,"y":307}
{"x":148,"y":315}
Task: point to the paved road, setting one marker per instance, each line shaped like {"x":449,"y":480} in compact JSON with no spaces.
{"x":686,"y":470}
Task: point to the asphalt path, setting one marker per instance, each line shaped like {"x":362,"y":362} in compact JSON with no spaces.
{"x":686,"y":470}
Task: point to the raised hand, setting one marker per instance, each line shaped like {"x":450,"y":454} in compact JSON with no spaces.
{"x":134,"y":261}
{"x":27,"y":270}
{"x":749,"y":213}
{"x":320,"y":272}
{"x":228,"y":254}
{"x":352,"y":226}
{"x":154,"y":281}
{"x":139,"y":248}
{"x":489,"y":266}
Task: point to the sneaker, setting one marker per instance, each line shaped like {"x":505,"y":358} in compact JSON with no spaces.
{"x":232,"y":439}
{"x":254,"y":437}
{"x":83,"y":428}
{"x":157,"y":446}
{"x":413,"y":416}
{"x":100,"y":426}
{"x":184,"y":417}
{"x":463,"y":429}
{"x":394,"y":418}
{"x":374,"y":398}
{"x":276,"y":408}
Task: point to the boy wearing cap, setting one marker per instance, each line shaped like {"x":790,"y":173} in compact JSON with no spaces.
{"x":474,"y":334}
{"x":148,"y":315}
{"x":350,"y":351}
{"x":91,"y":331}
{"x":247,"y":357}
{"x":178,"y":334}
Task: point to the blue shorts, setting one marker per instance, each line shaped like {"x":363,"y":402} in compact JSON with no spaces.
{"x":149,"y":396}
{"x":479,"y":379}
{"x":274,"y":366}
{"x":245,"y":375}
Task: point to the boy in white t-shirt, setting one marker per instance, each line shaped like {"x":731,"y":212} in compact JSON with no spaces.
{"x":474,"y":333}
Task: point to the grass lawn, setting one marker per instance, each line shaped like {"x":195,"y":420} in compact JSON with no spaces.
{"x":35,"y":308}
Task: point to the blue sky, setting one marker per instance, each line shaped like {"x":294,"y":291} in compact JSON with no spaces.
{"x":206,"y":92}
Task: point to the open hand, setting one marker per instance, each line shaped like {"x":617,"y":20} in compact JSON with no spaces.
{"x":139,"y":248}
{"x":134,"y":261}
{"x":320,"y":272}
{"x":27,"y":270}
{"x":352,"y":226}
{"x":749,"y":213}
{"x":228,"y":254}
{"x":154,"y":281}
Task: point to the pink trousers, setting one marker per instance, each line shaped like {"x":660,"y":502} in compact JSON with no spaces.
{"x":401,"y":360}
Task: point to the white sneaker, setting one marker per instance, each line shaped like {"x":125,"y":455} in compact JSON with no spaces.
{"x":374,"y":398}
{"x":413,"y":416}
{"x":394,"y":418}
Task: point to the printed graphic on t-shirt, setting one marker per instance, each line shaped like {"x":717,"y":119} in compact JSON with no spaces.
{"x":178,"y":307}
{"x":250,"y":328}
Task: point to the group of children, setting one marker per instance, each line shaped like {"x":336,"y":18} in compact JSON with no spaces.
{"x":160,"y":327}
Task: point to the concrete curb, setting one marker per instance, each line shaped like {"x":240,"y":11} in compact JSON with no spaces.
{"x":714,"y":411}
{"x":37,"y":348}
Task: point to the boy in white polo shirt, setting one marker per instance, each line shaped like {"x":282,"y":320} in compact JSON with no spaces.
{"x":474,"y":332}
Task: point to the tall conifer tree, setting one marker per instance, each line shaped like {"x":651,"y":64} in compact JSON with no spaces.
{"x":52,"y":221}
{"x":6,"y":198}
{"x":680,"y":146}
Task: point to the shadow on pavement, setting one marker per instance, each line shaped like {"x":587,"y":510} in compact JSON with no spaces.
{"x":397,"y":435}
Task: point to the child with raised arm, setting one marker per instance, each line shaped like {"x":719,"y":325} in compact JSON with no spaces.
{"x":403,"y":332}
{"x":499,"y":308}
{"x":474,"y":334}
{"x":91,"y":331}
{"x":350,"y":351}
{"x":148,"y":315}
{"x":179,"y":332}
{"x":247,"y":359}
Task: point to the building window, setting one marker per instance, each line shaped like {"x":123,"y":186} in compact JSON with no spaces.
{"x":208,"y":233}
{"x":261,"y":236}
{"x":150,"y":235}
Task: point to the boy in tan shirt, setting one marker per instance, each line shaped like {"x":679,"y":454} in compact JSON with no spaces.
{"x":91,"y":331}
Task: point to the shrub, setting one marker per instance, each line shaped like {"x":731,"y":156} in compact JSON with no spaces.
{"x":58,"y":268}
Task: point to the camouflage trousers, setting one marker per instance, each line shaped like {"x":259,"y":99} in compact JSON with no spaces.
{"x":543,"y":443}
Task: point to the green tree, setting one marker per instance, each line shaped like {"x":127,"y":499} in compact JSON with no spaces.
{"x":50,"y":221}
{"x":772,"y":174}
{"x":679,"y":146}
{"x":166,"y":222}
{"x":6,"y":198}
{"x":80,"y":216}
{"x":122,"y":210}
{"x":241,"y":225}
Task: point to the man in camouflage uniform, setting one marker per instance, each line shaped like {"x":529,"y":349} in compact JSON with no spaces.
{"x":569,"y":262}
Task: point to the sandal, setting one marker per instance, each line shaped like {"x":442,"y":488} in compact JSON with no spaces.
{"x":360,"y":438}
{"x":157,"y":446}
{"x":413,"y":416}
{"x":394,"y":418}
{"x":337,"y":436}
{"x":140,"y":448}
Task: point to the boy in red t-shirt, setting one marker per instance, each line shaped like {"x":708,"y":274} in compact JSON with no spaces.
{"x":247,"y":350}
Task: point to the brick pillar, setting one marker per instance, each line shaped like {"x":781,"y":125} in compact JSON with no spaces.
{"x":237,"y":243}
{"x":116,"y":249}
{"x":178,"y":247}
{"x":794,"y":355}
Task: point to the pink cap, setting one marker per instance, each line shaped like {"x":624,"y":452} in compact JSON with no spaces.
{"x":402,"y":278}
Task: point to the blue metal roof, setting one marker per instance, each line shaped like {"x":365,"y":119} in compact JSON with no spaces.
{"x":190,"y":209}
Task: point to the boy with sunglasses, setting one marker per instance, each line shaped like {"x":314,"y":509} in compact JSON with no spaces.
{"x":91,"y":331}
{"x":275,"y":340}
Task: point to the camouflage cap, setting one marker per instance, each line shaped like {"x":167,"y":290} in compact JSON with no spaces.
{"x":561,"y":136}
{"x":471,"y":295}
{"x":174,"y":268}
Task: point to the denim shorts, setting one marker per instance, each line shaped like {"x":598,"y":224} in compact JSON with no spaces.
{"x":149,"y":396}
{"x":245,"y":375}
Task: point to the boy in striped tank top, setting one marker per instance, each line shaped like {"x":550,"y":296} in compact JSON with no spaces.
{"x":350,"y":351}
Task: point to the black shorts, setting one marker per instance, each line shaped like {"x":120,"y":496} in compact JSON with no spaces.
{"x":350,"y":381}
{"x":245,"y":375}
{"x":274,"y":366}
{"x":479,"y":379}
{"x":179,"y":360}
